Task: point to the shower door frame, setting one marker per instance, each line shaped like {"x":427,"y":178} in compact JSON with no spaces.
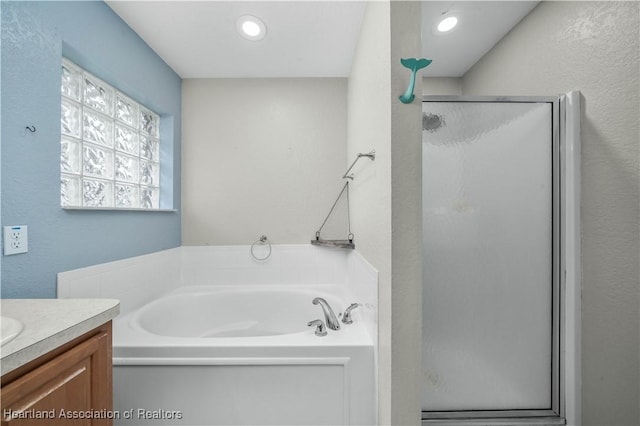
{"x":555,"y":414}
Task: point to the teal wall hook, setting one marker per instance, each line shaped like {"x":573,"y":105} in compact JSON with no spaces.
{"x":414,"y":65}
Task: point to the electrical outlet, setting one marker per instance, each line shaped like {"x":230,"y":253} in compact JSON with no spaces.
{"x":15,"y":240}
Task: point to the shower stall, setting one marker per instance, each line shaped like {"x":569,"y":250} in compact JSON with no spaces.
{"x":501,"y":259}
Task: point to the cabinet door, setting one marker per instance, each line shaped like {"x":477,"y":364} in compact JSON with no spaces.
{"x":68,"y":390}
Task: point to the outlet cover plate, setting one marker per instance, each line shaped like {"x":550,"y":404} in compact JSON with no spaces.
{"x":15,"y":239}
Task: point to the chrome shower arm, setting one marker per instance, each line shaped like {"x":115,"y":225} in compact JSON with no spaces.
{"x":371,"y":155}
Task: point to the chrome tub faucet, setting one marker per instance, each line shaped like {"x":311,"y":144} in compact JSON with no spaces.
{"x":329,"y":316}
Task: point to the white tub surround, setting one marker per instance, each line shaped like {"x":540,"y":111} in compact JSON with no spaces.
{"x":210,"y":335}
{"x":133,"y":281}
{"x":49,"y":324}
{"x":138,"y":280}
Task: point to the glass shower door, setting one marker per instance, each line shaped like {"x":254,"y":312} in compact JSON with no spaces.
{"x":490,"y":290}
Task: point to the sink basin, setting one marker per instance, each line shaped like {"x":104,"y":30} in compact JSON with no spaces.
{"x":11,"y":327}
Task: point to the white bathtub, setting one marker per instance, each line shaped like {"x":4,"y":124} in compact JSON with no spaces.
{"x":232,"y":311}
{"x":243,"y":355}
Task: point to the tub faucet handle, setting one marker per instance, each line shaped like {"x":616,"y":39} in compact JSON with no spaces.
{"x":321,"y":330}
{"x":346,"y":317}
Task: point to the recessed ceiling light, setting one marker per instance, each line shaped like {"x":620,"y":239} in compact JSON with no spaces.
{"x":447,"y":24}
{"x":251,"y":27}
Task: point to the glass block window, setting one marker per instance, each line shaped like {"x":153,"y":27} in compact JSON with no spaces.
{"x":110,"y":148}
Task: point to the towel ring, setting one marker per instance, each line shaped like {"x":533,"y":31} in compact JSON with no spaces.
{"x":262,"y":241}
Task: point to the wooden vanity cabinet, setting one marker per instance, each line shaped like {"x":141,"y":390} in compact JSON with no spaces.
{"x":71,"y":385}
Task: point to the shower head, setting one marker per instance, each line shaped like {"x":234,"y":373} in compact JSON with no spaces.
{"x":432,"y":122}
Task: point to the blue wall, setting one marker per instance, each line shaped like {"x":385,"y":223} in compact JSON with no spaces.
{"x":35,"y":35}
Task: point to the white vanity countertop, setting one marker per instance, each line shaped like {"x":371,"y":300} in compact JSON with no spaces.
{"x":50,"y":323}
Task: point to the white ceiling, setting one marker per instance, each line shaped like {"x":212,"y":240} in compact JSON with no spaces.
{"x":481,"y":24}
{"x":198,"y":39}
